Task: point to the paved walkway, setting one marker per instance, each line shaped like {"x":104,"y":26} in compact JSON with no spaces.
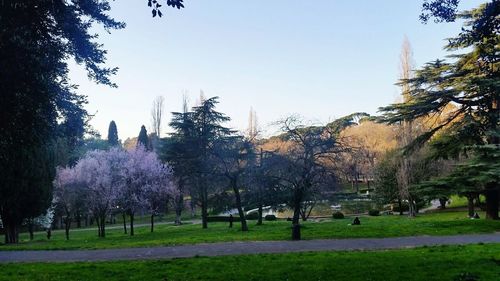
{"x":237,"y":248}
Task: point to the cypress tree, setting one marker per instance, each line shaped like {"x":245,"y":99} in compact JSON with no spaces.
{"x":112,"y":134}
{"x":143,"y":138}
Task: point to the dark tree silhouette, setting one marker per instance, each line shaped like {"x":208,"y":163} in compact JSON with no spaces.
{"x":37,"y":39}
{"x":143,"y":139}
{"x":113,"y":134}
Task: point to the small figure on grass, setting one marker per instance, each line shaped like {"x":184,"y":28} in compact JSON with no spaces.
{"x":476,"y":216}
{"x":49,"y":233}
{"x":356,"y":221}
{"x":230,"y":221}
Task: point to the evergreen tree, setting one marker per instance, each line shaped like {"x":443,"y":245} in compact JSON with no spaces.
{"x":113,"y":134}
{"x":471,"y":82}
{"x":207,"y":130}
{"x":37,"y":39}
{"x":190,"y":150}
{"x":179,"y":151}
{"x":143,"y":139}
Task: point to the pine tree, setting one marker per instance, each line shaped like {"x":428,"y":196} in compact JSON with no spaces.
{"x":190,"y":150}
{"x":113,"y":134}
{"x":470,"y":81}
{"x":207,"y":128}
{"x":179,"y":151}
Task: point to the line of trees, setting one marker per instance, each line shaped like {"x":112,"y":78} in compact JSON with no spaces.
{"x":209,"y":159}
{"x":113,"y":181}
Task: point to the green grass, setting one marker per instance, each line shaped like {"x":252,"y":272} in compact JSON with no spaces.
{"x":461,"y":201}
{"x":428,"y":263}
{"x":444,"y":223}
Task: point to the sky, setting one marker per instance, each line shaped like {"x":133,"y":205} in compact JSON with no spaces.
{"x":319,"y":59}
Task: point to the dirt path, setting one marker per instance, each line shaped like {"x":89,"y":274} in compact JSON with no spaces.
{"x":237,"y":248}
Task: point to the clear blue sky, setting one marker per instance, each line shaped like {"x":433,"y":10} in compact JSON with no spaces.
{"x":320,"y":59}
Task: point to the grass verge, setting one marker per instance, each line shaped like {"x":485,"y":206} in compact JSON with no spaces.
{"x":481,"y":262}
{"x":444,"y":223}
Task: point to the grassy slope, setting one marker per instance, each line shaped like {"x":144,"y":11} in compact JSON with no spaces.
{"x":445,"y":223}
{"x":461,"y":201}
{"x":435,"y":263}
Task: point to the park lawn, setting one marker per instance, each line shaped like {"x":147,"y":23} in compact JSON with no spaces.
{"x":428,"y":263}
{"x":441,"y":223}
{"x":461,"y":201}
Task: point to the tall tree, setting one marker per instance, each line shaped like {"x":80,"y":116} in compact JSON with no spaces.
{"x":233,"y":155}
{"x":157,"y":115}
{"x":406,"y":131}
{"x":253,"y":126}
{"x":469,"y":81}
{"x":304,"y":164}
{"x":37,"y":39}
{"x":179,"y":150}
{"x":208,"y":129}
{"x":113,"y":134}
{"x":143,"y":139}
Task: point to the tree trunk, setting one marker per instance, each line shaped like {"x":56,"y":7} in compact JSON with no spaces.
{"x":492,"y":192}
{"x":204,"y":215}
{"x":97,"y":220}
{"x":296,"y":224}
{"x":492,"y":198}
{"x":124,"y":222}
{"x":412,"y":208}
{"x":204,"y":208}
{"x":103,"y":226}
{"x":131,"y":224}
{"x":30,"y":229}
{"x":78,"y":220}
{"x":67,"y":225}
{"x":296,"y":215}
{"x":442,"y":203}
{"x":243,"y":220}
{"x":303,"y":214}
{"x":178,"y":209}
{"x":11,"y":233}
{"x":470,"y":205}
{"x":193,"y":207}
{"x":477,"y":200}
{"x":101,"y":222}
{"x":356,"y":182}
{"x":259,"y":219}
{"x":152,"y":222}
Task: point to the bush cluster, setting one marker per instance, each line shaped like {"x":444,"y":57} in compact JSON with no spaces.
{"x":252,"y":216}
{"x":270,"y":217}
{"x":338,"y":215}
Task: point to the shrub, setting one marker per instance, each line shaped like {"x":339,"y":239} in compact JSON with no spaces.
{"x":222,"y":218}
{"x":405,"y":207}
{"x":338,"y":215}
{"x":252,"y":216}
{"x":270,"y":217}
{"x":374,"y":212}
